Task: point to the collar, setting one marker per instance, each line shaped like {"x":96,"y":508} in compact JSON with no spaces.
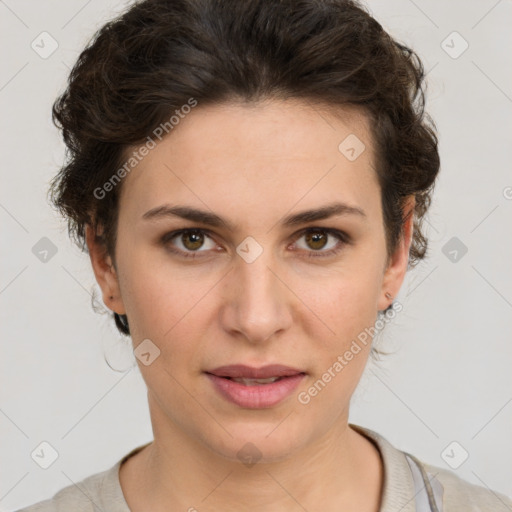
{"x":398,"y":491}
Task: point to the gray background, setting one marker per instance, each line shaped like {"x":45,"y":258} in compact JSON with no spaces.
{"x":449,"y":379}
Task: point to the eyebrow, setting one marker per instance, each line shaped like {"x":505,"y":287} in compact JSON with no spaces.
{"x":212,"y":219}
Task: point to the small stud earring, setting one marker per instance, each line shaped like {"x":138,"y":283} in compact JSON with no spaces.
{"x":388,"y":295}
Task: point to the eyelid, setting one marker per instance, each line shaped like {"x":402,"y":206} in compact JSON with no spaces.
{"x":343,"y":237}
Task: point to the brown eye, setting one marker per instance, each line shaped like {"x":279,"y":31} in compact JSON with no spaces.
{"x":192,"y":243}
{"x":192,"y":240}
{"x":316,"y":239}
{"x":322,"y":242}
{"x":188,"y":242}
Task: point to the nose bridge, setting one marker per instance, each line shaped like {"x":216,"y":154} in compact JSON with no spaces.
{"x":259,"y":302}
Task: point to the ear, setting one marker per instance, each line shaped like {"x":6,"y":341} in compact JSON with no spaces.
{"x":105,"y":273}
{"x":397,"y":266}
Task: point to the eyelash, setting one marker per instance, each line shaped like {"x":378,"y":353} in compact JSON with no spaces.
{"x":344,"y":239}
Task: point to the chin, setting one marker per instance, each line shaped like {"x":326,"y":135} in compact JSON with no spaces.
{"x":258,"y":442}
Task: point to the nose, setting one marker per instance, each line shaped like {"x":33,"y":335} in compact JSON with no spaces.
{"x":258,"y":305}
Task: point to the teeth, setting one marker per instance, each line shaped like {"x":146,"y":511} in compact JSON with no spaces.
{"x":255,"y":382}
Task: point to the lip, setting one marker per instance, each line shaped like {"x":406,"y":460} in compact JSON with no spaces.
{"x":258,"y":396}
{"x":249,"y":372}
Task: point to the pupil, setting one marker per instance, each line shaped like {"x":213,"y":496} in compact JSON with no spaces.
{"x":195,"y":237}
{"x":315,"y":238}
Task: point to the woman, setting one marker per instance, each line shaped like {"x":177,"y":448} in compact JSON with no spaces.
{"x":249,"y":179}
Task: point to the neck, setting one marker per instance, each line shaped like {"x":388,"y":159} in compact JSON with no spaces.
{"x":340,"y":470}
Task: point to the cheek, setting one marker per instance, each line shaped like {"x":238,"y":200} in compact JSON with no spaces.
{"x":347,"y":307}
{"x":346,"y":300}
{"x":167,"y":306}
{"x":153,"y":300}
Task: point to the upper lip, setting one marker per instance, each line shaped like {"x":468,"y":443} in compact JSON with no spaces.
{"x":249,"y":372}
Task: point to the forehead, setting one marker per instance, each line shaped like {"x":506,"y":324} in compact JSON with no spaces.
{"x":290,"y":129}
{"x":265,"y":155}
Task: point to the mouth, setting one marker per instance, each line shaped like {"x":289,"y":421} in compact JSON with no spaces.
{"x":241,"y":371}
{"x":256,"y":382}
{"x":255,"y":388}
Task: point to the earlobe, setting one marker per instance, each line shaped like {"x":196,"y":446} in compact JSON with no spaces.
{"x":105,"y":272}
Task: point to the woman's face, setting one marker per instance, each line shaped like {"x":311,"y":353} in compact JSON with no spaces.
{"x":251,"y":288}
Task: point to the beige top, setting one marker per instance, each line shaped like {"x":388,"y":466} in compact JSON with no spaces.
{"x":409,"y":486}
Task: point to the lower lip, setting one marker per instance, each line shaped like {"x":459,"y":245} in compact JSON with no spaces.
{"x":259,"y":396}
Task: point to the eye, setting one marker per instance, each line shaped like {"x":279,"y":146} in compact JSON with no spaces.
{"x":187,"y":241}
{"x":317,"y":239}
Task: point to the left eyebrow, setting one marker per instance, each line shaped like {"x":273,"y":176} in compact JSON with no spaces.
{"x":212,"y":219}
{"x":325,"y":212}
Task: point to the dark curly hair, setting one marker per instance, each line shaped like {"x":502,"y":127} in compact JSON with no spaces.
{"x":144,"y":65}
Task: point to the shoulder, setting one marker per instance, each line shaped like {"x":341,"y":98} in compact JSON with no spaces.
{"x":101,"y":491}
{"x":412,"y":485}
{"x":459,"y":494}
{"x":78,"y":497}
{"x":83,"y":496}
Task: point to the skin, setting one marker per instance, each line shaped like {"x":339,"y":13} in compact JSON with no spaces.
{"x":252,"y":165}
